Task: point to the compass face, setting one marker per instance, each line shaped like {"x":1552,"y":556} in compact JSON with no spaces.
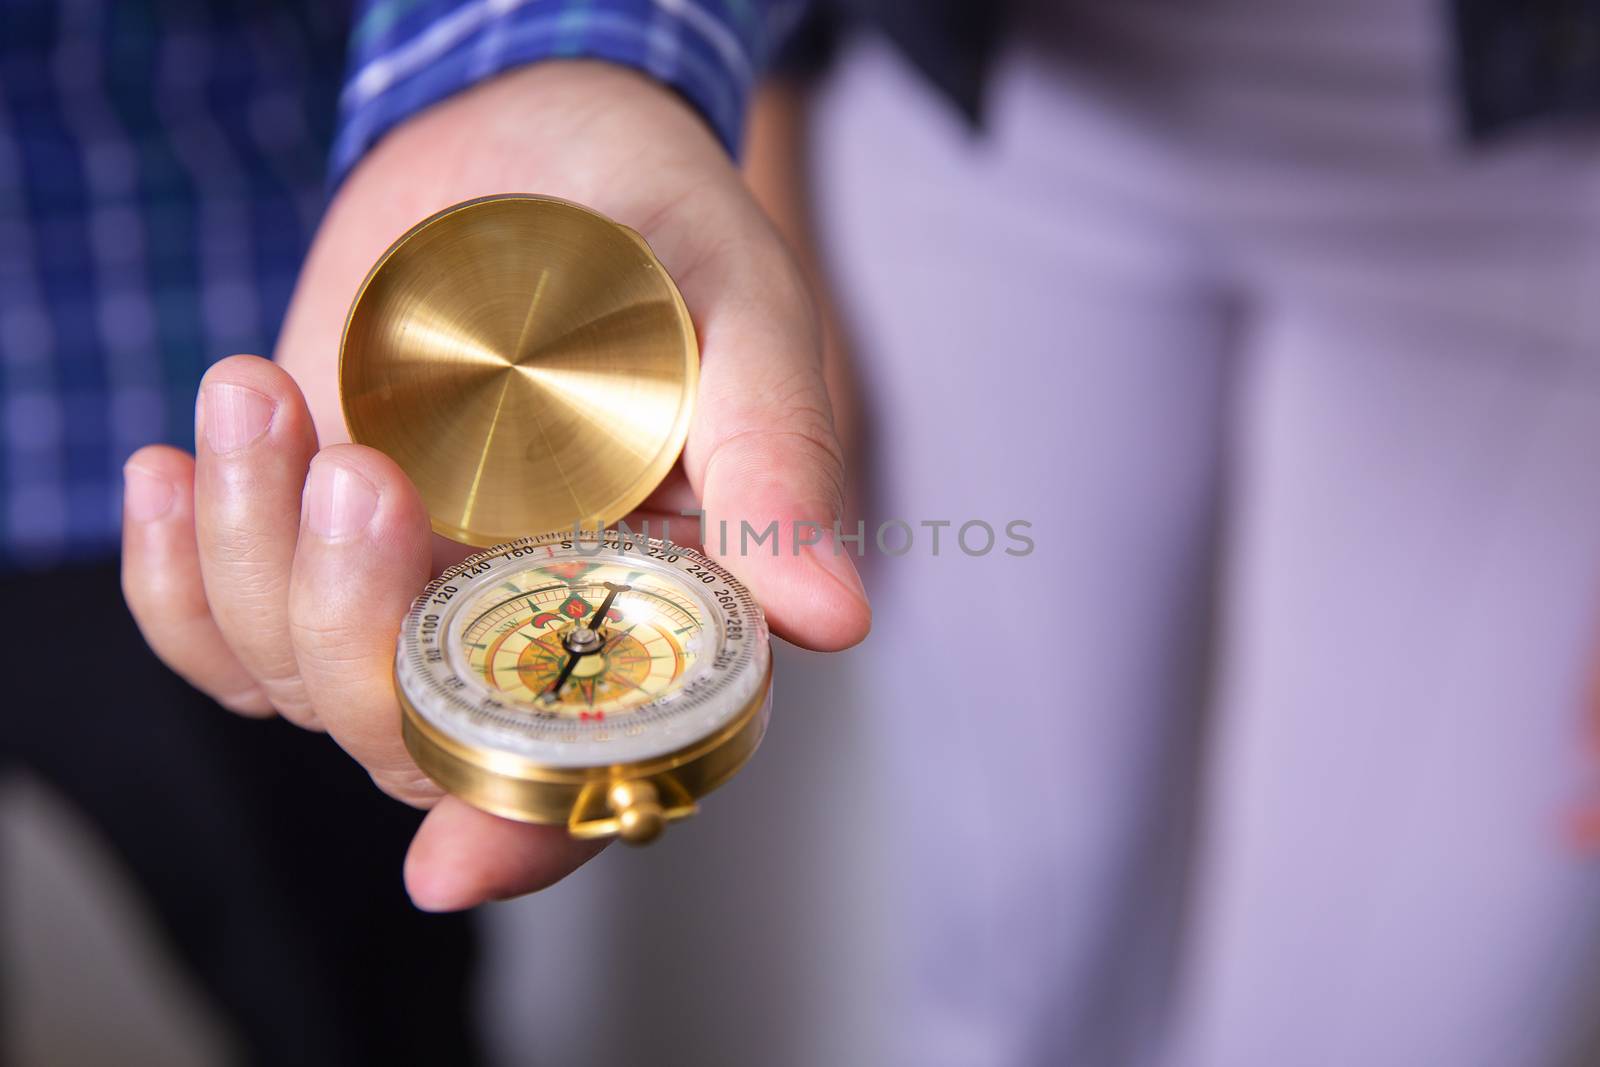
{"x":582,"y":652}
{"x":519,"y":637}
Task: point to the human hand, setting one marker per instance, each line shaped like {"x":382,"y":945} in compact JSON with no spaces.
{"x":272,"y":569}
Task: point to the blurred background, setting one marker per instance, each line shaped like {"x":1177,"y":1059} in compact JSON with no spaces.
{"x":1274,"y":319}
{"x":710,"y":957}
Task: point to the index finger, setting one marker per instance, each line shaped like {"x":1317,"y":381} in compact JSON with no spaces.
{"x":363,"y":557}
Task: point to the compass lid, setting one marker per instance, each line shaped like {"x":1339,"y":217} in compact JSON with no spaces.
{"x":526,"y":361}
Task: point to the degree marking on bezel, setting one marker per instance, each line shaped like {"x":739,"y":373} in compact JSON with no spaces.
{"x":439,"y":692}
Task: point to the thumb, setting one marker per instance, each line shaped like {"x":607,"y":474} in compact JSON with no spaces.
{"x":763,"y":454}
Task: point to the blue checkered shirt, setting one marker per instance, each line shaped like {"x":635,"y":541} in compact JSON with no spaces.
{"x":164,"y":162}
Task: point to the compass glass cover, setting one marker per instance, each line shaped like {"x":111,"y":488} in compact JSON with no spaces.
{"x":516,"y":638}
{"x":583,"y":652}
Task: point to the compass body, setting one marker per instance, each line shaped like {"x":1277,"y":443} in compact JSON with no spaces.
{"x":539,"y":676}
{"x":532,"y":368}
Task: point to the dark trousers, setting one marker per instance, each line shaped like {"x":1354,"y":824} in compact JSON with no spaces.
{"x":266,"y":854}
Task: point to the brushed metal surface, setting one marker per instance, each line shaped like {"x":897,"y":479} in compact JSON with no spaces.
{"x":527,"y":362}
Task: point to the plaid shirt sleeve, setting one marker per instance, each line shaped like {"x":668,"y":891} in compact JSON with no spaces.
{"x":408,"y":54}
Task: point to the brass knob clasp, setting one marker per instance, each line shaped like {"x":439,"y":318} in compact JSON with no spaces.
{"x":637,"y":805}
{"x":634,"y":809}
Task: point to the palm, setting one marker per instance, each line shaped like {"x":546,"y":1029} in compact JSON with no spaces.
{"x":762,"y":446}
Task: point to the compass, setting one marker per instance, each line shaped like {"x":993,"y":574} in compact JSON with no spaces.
{"x":531,"y":366}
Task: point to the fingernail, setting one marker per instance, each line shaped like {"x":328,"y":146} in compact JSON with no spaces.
{"x":835,"y":559}
{"x":233,"y":415}
{"x":339,"y":502}
{"x":146,"y":496}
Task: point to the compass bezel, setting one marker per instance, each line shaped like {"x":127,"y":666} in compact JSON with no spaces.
{"x":524,"y":741}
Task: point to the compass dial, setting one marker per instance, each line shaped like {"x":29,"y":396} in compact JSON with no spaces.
{"x":519,"y":637}
{"x":583,"y":652}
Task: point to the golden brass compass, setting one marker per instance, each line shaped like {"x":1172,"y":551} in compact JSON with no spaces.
{"x":531,"y":366}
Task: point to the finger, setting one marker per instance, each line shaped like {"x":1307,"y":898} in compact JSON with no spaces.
{"x":462,"y":857}
{"x":763,"y":454}
{"x":363,"y":557}
{"x":162,"y":585}
{"x":254,"y":441}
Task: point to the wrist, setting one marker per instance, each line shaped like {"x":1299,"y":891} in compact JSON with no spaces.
{"x":567,"y":127}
